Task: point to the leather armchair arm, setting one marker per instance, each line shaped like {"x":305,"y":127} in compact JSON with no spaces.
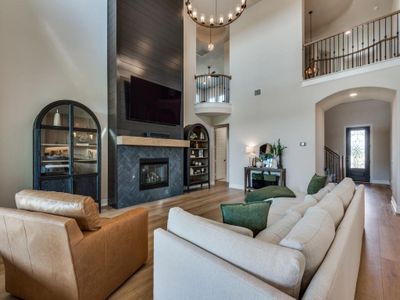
{"x":105,"y":258}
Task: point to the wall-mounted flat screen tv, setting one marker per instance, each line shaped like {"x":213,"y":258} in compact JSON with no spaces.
{"x":152,"y":103}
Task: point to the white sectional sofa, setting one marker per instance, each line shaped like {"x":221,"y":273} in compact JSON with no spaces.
{"x":311,"y":250}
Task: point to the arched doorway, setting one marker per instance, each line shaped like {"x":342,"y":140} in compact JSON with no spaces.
{"x":354,"y":129}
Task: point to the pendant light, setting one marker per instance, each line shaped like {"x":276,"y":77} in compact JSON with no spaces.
{"x":312,"y":69}
{"x":210,"y":44}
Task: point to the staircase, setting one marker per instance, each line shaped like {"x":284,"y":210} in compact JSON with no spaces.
{"x":334,"y":165}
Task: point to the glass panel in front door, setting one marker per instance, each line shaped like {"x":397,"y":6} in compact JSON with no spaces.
{"x":357,"y":149}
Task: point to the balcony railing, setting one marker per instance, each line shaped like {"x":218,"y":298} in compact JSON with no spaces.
{"x":213,"y":88}
{"x":368,"y":43}
{"x":213,"y":95}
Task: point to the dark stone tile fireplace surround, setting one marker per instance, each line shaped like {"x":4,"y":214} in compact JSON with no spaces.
{"x":129,"y":189}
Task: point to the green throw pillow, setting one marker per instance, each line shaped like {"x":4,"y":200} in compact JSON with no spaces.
{"x":272,"y":191}
{"x":253,"y":216}
{"x":316,"y":183}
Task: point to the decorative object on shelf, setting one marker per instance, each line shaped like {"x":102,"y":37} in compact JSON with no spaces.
{"x":67,"y":150}
{"x":312,"y":69}
{"x":259,"y":163}
{"x":251,"y":152}
{"x":202,"y":137}
{"x":197,"y":159}
{"x":214,"y":17}
{"x":57,"y":119}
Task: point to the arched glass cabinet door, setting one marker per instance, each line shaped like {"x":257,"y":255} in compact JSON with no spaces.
{"x":67,"y":149}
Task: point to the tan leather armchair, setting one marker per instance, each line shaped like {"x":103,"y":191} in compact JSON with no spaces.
{"x":49,"y":257}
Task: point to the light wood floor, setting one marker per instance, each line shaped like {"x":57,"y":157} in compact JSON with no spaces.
{"x":379,"y":276}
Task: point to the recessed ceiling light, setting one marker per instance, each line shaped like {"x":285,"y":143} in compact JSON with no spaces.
{"x":347,"y":32}
{"x":353,"y":95}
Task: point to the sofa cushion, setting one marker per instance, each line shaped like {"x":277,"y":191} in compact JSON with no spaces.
{"x":81,"y":208}
{"x":324,"y":191}
{"x":279,"y":208}
{"x":345,"y":190}
{"x":316,"y":183}
{"x":334,"y":206}
{"x":302,"y":207}
{"x":276,"y":232}
{"x":269,"y":192}
{"x":250,"y":215}
{"x":238,"y":229}
{"x":280,"y":267}
{"x":312,"y":235}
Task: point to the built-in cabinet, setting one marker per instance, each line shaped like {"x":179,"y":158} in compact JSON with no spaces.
{"x":67,"y":150}
{"x":197,"y":156}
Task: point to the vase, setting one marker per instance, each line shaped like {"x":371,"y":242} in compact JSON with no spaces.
{"x":57,"y":119}
{"x":258,"y":164}
{"x":274,"y":163}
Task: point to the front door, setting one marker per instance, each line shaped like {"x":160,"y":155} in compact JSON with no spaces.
{"x":358,"y":153}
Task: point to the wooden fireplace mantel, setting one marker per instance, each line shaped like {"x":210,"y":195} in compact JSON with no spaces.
{"x":125,"y":140}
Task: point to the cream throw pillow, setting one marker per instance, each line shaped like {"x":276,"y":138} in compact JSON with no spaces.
{"x":312,"y":235}
{"x":81,"y":208}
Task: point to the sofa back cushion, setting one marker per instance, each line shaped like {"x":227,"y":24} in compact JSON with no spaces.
{"x":302,"y":207}
{"x":324,"y":191}
{"x":280,"y":267}
{"x":312,"y":235}
{"x":345,"y":190}
{"x":334,"y":206}
{"x":276,"y":232}
{"x":81,"y":208}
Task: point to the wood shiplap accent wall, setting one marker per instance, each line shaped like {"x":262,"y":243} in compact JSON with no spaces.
{"x":150,"y":40}
{"x":145,"y":39}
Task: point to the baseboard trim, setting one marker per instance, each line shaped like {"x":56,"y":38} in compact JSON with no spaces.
{"x":236,"y":186}
{"x":385,"y":182}
{"x":395,"y":206}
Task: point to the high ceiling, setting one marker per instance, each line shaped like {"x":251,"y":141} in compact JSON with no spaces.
{"x":324,"y":12}
{"x":219,"y":35}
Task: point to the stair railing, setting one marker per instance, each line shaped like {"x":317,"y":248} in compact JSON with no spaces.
{"x":334,"y":165}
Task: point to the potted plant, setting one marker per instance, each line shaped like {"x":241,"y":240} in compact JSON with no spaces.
{"x":277,"y":151}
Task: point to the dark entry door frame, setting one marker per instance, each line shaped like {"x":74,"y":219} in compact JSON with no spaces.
{"x":359,"y":174}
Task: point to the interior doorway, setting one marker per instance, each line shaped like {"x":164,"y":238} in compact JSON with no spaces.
{"x":221,"y":152}
{"x":358,"y":149}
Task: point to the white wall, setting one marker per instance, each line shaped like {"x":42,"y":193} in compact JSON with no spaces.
{"x":189,"y":93}
{"x":360,"y":11}
{"x":50,"y":50}
{"x":215,"y":59}
{"x":375,"y":114}
{"x":286,"y":109}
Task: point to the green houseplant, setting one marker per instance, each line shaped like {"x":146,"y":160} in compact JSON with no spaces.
{"x":277,"y":150}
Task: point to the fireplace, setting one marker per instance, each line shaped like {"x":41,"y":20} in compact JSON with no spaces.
{"x":154,"y":173}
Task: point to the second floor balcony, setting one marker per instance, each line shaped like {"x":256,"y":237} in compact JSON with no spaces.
{"x":369,"y":43}
{"x":213,"y":95}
